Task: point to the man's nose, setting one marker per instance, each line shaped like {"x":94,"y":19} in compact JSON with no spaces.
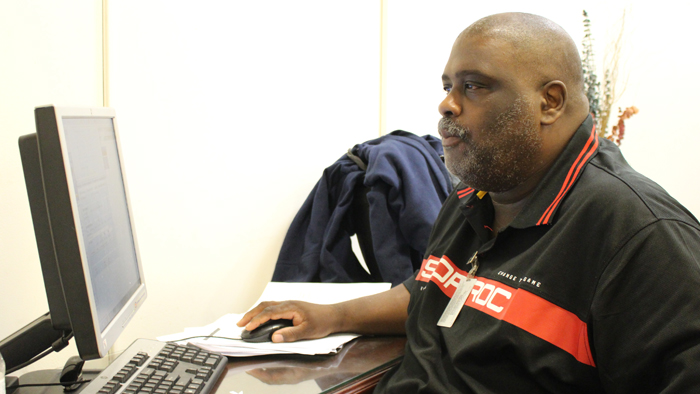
{"x":449,"y":108}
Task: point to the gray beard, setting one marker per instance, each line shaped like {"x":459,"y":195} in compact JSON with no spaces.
{"x":505,"y":155}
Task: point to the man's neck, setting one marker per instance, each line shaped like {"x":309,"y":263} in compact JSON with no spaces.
{"x":504,"y":214}
{"x":508,"y":204}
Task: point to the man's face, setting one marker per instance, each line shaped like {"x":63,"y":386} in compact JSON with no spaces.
{"x":490,"y":132}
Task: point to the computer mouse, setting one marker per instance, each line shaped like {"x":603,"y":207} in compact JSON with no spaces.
{"x":264,"y":331}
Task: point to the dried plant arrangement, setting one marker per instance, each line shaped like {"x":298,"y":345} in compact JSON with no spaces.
{"x":602,"y":95}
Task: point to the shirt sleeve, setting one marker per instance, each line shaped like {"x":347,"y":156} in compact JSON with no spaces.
{"x":645,"y":321}
{"x":411,"y":281}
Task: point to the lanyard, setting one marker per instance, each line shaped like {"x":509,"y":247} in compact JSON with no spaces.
{"x":464,"y":288}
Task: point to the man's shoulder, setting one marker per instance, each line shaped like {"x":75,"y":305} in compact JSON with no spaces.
{"x":610,"y":185}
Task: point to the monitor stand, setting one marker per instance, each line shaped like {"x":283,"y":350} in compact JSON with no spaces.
{"x":32,"y":340}
{"x":45,"y":376}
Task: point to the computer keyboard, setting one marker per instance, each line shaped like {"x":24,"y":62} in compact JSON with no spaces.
{"x":154,"y":367}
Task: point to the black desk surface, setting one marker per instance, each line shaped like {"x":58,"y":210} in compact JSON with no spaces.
{"x":357,"y":367}
{"x":361,"y":362}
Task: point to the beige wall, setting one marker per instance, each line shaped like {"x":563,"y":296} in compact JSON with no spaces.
{"x":659,"y":64}
{"x":228,"y":114}
{"x":51,"y":53}
{"x":229,"y":111}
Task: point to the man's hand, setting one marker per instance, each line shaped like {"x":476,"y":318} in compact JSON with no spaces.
{"x":311,"y":321}
{"x":383,"y":313}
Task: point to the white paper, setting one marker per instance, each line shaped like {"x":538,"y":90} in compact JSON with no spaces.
{"x":224,"y":335}
{"x":319,"y":293}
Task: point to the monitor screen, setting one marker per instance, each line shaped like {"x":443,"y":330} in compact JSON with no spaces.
{"x":91,"y":224}
{"x":103,"y":215}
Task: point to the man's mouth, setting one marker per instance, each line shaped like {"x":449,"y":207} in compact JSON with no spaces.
{"x":450,"y":132}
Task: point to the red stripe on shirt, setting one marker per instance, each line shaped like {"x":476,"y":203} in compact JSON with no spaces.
{"x":586,"y":152}
{"x":464,"y":192}
{"x":518,"y":307}
{"x":552,"y":323}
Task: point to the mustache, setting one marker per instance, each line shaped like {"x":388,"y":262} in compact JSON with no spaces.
{"x":450,"y":128}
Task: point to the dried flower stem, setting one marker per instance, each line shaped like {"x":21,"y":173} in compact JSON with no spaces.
{"x":601,"y":99}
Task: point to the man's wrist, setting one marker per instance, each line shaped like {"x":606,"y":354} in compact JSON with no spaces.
{"x":338,"y":318}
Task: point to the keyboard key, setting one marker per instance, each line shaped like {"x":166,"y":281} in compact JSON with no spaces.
{"x":202,"y":375}
{"x":160,"y":375}
{"x":212,"y":362}
{"x":152,"y":367}
{"x":171,"y":380}
{"x":140,"y":358}
{"x":147,"y":372}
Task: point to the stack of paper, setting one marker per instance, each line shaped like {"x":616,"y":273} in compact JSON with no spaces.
{"x":224,"y":335}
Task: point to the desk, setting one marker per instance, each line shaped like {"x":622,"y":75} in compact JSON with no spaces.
{"x":356,"y":369}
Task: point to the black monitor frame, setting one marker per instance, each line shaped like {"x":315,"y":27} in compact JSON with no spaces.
{"x":62,"y":250}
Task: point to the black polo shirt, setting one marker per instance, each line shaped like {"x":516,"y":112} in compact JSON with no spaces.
{"x":594,"y":287}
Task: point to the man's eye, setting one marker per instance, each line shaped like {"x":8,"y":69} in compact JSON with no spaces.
{"x":446,"y":89}
{"x":470,"y":86}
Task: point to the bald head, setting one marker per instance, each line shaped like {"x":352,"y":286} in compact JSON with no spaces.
{"x":514,"y":98}
{"x":542,"y":50}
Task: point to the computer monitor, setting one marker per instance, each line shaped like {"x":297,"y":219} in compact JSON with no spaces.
{"x":83,"y":224}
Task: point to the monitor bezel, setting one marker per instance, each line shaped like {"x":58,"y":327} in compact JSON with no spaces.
{"x":67,"y":232}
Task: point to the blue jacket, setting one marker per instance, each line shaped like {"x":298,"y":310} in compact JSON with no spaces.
{"x":407,"y":182}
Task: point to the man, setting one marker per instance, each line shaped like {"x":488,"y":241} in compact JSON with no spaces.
{"x":580,"y":275}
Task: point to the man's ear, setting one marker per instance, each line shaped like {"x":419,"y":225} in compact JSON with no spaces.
{"x":554,"y":98}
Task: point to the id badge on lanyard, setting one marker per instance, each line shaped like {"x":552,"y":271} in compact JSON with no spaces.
{"x":464,"y":288}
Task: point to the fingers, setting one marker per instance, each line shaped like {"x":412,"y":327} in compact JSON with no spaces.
{"x":311,"y":321}
{"x":270,"y":311}
{"x":292,"y":334}
{"x":254,"y":314}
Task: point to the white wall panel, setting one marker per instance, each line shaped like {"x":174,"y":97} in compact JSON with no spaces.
{"x":661,"y":140}
{"x":51,"y":53}
{"x":229,"y":112}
